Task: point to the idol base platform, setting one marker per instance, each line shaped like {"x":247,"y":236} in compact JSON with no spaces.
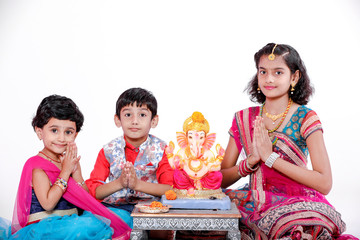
{"x":222,"y":204}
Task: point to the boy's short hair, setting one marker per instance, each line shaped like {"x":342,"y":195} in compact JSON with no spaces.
{"x":59,"y":107}
{"x":140,"y":96}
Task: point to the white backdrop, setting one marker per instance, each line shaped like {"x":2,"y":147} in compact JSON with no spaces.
{"x":193,"y":55}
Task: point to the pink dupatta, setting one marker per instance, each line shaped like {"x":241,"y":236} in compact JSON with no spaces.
{"x":74,"y":194}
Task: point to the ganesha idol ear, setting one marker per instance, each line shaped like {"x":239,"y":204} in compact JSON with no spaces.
{"x":210,"y":140}
{"x":181,"y":139}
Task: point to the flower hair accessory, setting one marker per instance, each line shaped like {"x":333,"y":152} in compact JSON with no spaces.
{"x":271,"y":57}
{"x":196,"y":122}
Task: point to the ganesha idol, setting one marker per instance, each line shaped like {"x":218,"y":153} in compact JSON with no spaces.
{"x":196,"y":168}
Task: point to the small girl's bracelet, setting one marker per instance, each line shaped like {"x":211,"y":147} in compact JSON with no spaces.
{"x":61,"y":183}
{"x":81,"y":183}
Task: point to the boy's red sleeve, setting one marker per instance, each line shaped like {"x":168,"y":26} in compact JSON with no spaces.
{"x":164,"y":173}
{"x":99,"y":174}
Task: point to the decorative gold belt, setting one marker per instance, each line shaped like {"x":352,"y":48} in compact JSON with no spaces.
{"x":35,"y":217}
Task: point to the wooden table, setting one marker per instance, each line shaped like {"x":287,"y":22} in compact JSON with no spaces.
{"x":183,"y":219}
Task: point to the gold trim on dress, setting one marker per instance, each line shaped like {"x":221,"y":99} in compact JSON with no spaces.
{"x":44,"y":214}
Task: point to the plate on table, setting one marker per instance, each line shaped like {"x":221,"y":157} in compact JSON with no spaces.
{"x":146,"y":208}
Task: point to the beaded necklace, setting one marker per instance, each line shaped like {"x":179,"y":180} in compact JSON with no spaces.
{"x":51,"y":159}
{"x":283,"y":116}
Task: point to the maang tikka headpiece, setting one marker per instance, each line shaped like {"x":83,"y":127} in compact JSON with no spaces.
{"x":271,"y":56}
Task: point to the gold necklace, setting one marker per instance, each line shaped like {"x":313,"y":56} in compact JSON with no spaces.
{"x":283,"y":117}
{"x":273,"y":117}
{"x":276,"y":117}
{"x":191,"y":158}
{"x":195,"y":169}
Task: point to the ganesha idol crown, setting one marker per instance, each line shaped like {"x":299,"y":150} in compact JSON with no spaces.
{"x":196,"y":168}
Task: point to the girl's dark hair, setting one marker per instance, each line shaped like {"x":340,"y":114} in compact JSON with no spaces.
{"x":140,"y":96}
{"x":59,"y":107}
{"x":303,"y":89}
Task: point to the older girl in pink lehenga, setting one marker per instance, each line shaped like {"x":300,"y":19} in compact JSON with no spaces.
{"x":284,"y":199}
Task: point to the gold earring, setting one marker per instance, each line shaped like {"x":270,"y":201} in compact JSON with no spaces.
{"x":292,"y":88}
{"x":258,"y":89}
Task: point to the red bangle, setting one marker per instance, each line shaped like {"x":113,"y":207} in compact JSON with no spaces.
{"x":244,"y":169}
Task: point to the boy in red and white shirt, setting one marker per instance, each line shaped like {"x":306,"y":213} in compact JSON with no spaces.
{"x":135,"y":165}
